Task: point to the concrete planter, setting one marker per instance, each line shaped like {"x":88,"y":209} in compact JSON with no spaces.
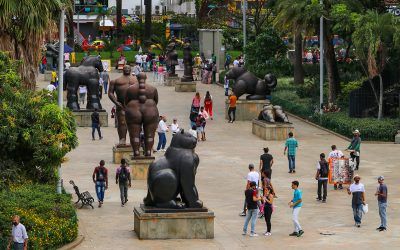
{"x":83,"y":118}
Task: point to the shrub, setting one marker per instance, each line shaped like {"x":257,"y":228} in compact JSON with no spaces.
{"x":32,"y":128}
{"x":50,"y":219}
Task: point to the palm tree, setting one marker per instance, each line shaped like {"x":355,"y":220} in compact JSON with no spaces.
{"x":119,"y":17}
{"x":22,"y":28}
{"x":374,"y":37}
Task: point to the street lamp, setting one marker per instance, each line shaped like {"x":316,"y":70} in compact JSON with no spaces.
{"x":244,"y":6}
{"x":321,"y":61}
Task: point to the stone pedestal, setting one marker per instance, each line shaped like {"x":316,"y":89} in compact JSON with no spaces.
{"x":140,"y":167}
{"x":185,"y":86}
{"x":246,"y":110}
{"x":171,"y":81}
{"x":173,"y":225}
{"x":397,"y":138}
{"x":122,"y":152}
{"x":271,"y":131}
{"x":83,"y":118}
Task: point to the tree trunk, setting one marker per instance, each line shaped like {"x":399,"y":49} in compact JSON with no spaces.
{"x":119,"y":17}
{"x":298,"y":60}
{"x":70,"y":34}
{"x":348,"y":50}
{"x":380,"y":106}
{"x":332,"y":70}
{"x":147,"y":22}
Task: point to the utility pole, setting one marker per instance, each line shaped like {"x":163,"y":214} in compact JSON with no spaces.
{"x":60,"y":81}
{"x":244,"y":7}
{"x":147,"y":20}
{"x":321,"y":62}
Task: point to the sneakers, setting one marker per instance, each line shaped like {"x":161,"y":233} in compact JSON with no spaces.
{"x":318,"y":199}
{"x":267,"y":234}
{"x":244,"y":233}
{"x":293,"y":234}
{"x":253,"y":235}
{"x":101,"y":138}
{"x":294,"y":171}
{"x":357,"y":224}
{"x":242,"y":213}
{"x":382,"y":229}
{"x":301,"y":232}
{"x":323,"y":201}
{"x":122,"y":204}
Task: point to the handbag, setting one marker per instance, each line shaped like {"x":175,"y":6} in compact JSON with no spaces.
{"x":365,"y":208}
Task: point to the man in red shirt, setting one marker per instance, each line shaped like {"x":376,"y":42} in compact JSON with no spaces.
{"x":100,"y":178}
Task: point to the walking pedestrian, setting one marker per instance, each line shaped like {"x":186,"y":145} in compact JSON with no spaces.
{"x":200,"y":124}
{"x":96,"y":124}
{"x":123,"y":178}
{"x":381,"y":193}
{"x":19,"y":237}
{"x":175,"y":126}
{"x":268,"y":208}
{"x":106,"y":80}
{"x":100,"y":178}
{"x":232,"y":107}
{"x":252,"y":198}
{"x":226,"y":85}
{"x":291,"y":145}
{"x":208,"y":104}
{"x":196,"y":101}
{"x":266,"y":162}
{"x":296,"y":203}
{"x":82,"y":93}
{"x":358,"y":200}
{"x":335,"y":154}
{"x":322,"y":177}
{"x":252,"y":176}
{"x":228,"y":60}
{"x":162,"y":129}
{"x":354,"y":147}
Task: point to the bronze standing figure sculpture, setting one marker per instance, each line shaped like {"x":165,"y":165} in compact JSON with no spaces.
{"x":187,"y":61}
{"x":141,"y":109}
{"x":172,"y":57}
{"x":117,"y":93}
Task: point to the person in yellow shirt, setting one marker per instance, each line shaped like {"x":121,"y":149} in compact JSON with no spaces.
{"x":73,"y":58}
{"x":54,"y":79}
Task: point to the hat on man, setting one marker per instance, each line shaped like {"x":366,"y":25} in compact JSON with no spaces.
{"x":356,"y":176}
{"x":356,"y":131}
{"x":381,"y":178}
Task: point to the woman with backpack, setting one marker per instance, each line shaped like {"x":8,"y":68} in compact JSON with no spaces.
{"x":123,"y":178}
{"x":322,"y":177}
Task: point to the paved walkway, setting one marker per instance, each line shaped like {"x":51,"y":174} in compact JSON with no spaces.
{"x":224,"y":158}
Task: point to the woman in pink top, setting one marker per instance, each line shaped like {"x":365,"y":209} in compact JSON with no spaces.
{"x":196,"y":101}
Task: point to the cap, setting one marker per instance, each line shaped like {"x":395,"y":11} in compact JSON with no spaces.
{"x":356,"y":131}
{"x":381,"y":178}
{"x":356,"y":176}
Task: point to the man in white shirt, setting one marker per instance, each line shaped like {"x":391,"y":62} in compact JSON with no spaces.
{"x":252,"y":176}
{"x":175,"y":127}
{"x":51,"y":87}
{"x":138,"y":59}
{"x":357,"y":189}
{"x":162,"y":129}
{"x":19,"y":237}
{"x":335,"y":154}
{"x":236,"y":63}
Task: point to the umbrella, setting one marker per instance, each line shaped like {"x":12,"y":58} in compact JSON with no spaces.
{"x":67,"y":49}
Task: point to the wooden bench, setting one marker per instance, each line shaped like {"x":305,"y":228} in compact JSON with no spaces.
{"x":84,"y":197}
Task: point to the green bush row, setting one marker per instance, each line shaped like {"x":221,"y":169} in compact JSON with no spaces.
{"x":371,"y":129}
{"x":50,"y":219}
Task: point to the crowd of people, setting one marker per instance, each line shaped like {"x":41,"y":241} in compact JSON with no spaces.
{"x":259,"y":198}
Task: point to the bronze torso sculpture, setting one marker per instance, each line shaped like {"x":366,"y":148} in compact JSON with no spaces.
{"x":172,"y":57}
{"x":141,"y":110}
{"x":188,"y":62}
{"x":117,"y":93}
{"x":273,"y":114}
{"x":247,"y":83}
{"x":174,"y":174}
{"x":86,"y":74}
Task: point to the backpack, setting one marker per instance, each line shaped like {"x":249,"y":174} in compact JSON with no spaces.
{"x":101,"y":174}
{"x":324,"y":169}
{"x":123,"y":175}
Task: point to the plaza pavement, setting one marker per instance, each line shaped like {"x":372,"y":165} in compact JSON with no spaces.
{"x":220,"y":179}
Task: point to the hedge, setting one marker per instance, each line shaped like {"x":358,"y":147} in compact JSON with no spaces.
{"x":371,"y":129}
{"x":50,"y":219}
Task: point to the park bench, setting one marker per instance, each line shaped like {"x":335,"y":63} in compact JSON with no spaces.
{"x":84,"y":197}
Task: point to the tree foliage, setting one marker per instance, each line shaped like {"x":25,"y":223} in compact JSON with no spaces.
{"x":32,"y":128}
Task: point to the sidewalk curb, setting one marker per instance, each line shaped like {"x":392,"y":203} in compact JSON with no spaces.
{"x":73,"y":244}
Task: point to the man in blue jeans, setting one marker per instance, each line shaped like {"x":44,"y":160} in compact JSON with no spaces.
{"x":162,"y":129}
{"x":381,"y":194}
{"x":100,"y":178}
{"x":96,"y":124}
{"x":358,"y":191}
{"x":291,"y":146}
{"x":252,"y":208}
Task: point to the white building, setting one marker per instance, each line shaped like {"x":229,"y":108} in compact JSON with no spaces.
{"x":181,"y":7}
{"x":136,"y":7}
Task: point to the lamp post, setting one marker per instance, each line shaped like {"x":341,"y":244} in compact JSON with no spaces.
{"x":244,"y":7}
{"x":60,"y":82}
{"x":321,"y":61}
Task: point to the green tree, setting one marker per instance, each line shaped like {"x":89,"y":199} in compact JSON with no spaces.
{"x":376,"y":37}
{"x":32,"y":127}
{"x":22,"y":28}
